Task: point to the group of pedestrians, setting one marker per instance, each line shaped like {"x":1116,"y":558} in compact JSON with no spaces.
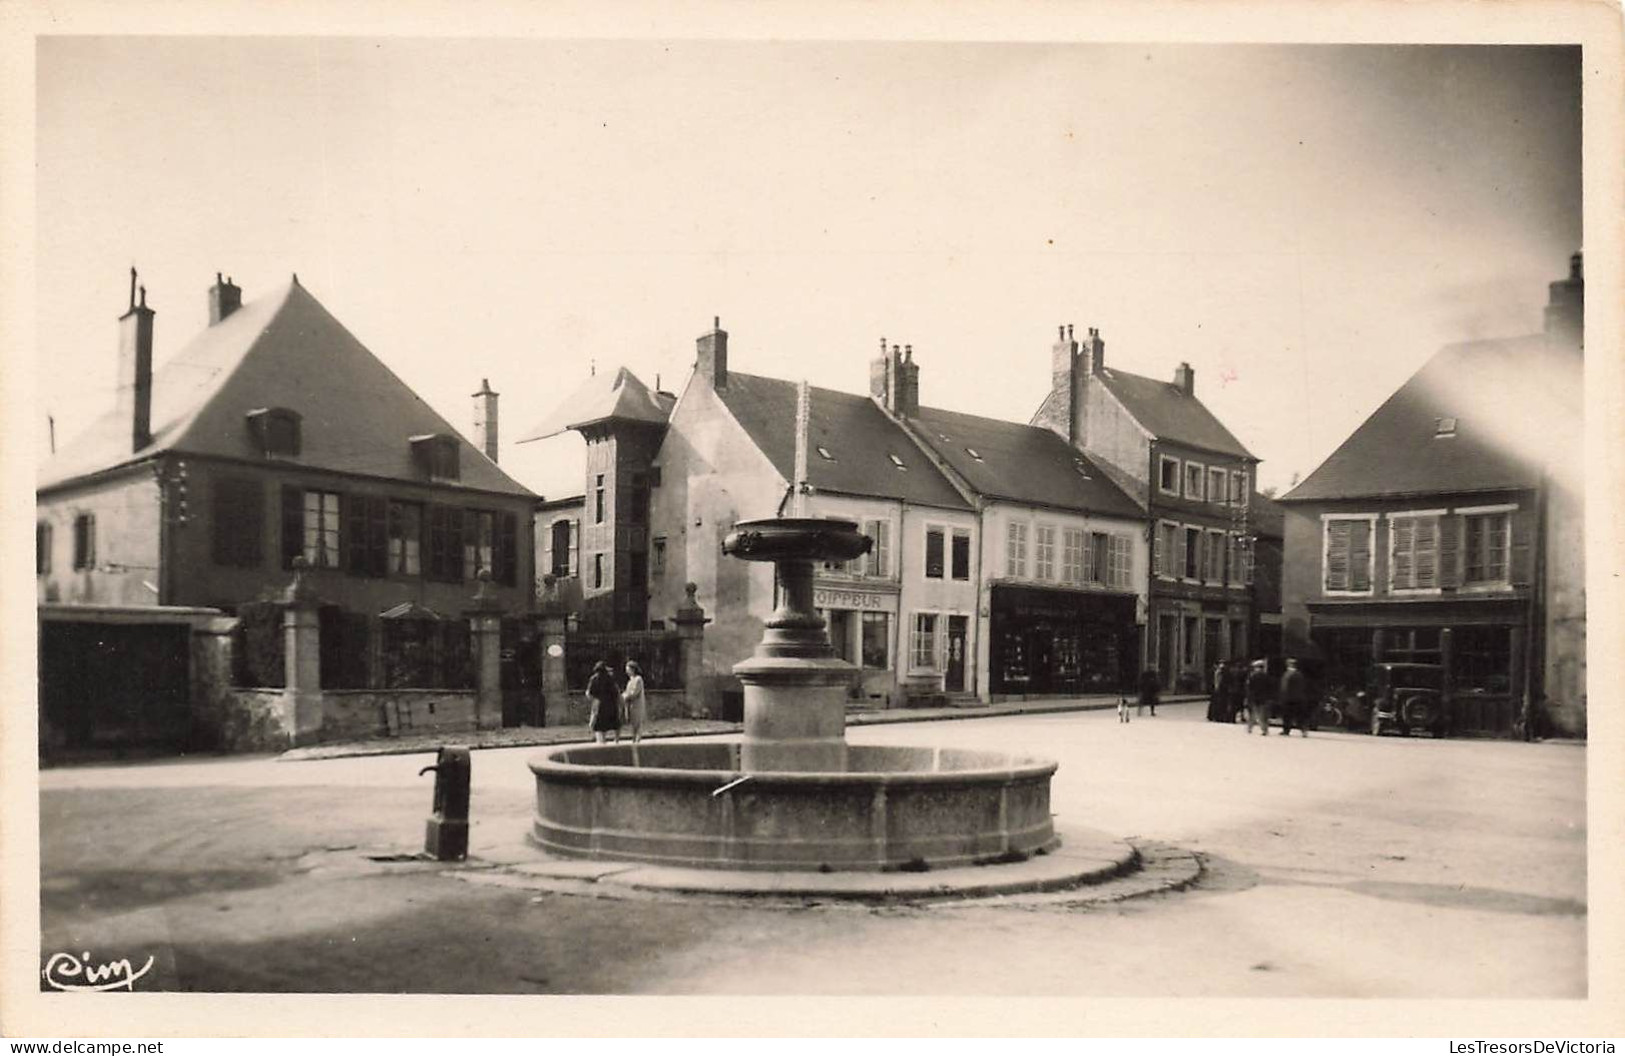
{"x":1238,"y":689}
{"x":612,"y":707}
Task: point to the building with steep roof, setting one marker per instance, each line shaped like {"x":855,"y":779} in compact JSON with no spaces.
{"x":1448,"y":529}
{"x":978,"y":584}
{"x":1193,"y":481}
{"x":275,"y":435}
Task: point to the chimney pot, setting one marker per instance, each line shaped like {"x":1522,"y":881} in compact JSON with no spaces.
{"x":224,"y":298}
{"x":134,"y":389}
{"x":711,"y":355}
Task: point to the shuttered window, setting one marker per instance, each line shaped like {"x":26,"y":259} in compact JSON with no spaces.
{"x":405,"y":538}
{"x":877,"y":562}
{"x":934,"y":555}
{"x":366,"y":535}
{"x":1120,"y":561}
{"x":1044,"y":553}
{"x":1485,"y":543}
{"x":445,"y":544}
{"x":959,"y":560}
{"x":237,"y":518}
{"x":1015,"y":550}
{"x":1348,"y":555}
{"x":1072,"y":556}
{"x":1414,"y":552}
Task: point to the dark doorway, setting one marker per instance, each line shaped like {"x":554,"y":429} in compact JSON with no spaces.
{"x":114,"y":687}
{"x":955,"y":682}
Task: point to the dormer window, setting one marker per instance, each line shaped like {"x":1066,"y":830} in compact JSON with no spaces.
{"x":823,"y":453}
{"x":435,"y":456}
{"x":896,"y":461}
{"x":276,"y":431}
{"x":1444,"y":427}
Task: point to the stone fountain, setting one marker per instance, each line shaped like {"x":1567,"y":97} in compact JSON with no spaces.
{"x":791,"y":794}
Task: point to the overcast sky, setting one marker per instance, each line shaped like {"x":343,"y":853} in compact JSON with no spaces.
{"x":1302,"y":224}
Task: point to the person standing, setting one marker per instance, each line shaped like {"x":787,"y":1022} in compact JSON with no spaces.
{"x":1150,"y":687}
{"x":1216,"y":693}
{"x":1294,"y":700}
{"x":605,"y":698}
{"x":636,"y":700}
{"x":1260,"y":687}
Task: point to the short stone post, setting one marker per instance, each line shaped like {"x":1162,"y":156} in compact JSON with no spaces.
{"x":302,"y":656}
{"x":485,"y":625}
{"x":551,"y":617}
{"x":700,"y":696}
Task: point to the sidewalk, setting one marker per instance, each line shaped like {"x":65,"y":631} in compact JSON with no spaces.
{"x":537,"y":736}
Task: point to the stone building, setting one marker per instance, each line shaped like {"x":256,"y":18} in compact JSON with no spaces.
{"x":1192,"y":480}
{"x":1448,"y":527}
{"x":274,"y":435}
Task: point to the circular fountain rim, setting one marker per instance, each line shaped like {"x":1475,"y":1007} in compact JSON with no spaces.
{"x":1018,"y":768}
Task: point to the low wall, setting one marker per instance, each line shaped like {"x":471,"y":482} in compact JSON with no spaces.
{"x":250,"y":720}
{"x":354,"y":714}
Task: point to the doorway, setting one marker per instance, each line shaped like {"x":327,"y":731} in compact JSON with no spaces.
{"x":955,"y":682}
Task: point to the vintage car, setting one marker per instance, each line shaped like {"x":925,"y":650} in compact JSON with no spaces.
{"x":1406,"y":697}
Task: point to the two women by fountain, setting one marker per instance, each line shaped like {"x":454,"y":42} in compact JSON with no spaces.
{"x":613,"y":707}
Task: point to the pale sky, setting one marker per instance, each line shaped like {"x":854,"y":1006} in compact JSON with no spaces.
{"x":1305,"y":225}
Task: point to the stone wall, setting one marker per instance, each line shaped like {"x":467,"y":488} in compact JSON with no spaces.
{"x":357,"y":714}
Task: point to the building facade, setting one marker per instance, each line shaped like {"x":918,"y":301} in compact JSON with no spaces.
{"x":275,"y":437}
{"x":1193,"y":481}
{"x":1448,"y":529}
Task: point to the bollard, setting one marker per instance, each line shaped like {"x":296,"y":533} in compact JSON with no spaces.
{"x":447,"y":838}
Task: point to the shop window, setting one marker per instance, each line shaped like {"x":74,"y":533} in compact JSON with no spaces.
{"x":959,"y":567}
{"x":876,"y":643}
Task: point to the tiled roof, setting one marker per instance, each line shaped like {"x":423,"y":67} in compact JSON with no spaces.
{"x":1021,"y":463}
{"x":618,"y":396}
{"x":1164,"y":409}
{"x":1517,"y":405}
{"x":858,"y":435}
{"x":283,"y":350}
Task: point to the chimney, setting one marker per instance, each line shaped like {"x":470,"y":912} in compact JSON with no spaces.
{"x":134,"y":399}
{"x":225,"y":297}
{"x":907,"y":404}
{"x":712,"y":364}
{"x":1566,"y":306}
{"x":485,"y":419}
{"x":1094,"y":353}
{"x":879,"y":387}
{"x":1185,"y":379}
{"x":1063,"y":354}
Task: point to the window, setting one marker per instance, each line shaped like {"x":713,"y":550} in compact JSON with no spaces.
{"x":877,"y":562}
{"x":1348,"y":555}
{"x":561,"y":539}
{"x":84,"y":541}
{"x":960,"y":557}
{"x":1193,"y":481}
{"x":598,"y":499}
{"x":479,"y":532}
{"x":876,"y":646}
{"x":924,"y":653}
{"x":445,"y":543}
{"x":366,"y":535}
{"x":436,"y":456}
{"x":1232,"y":563}
{"x":1193,"y":553}
{"x":1413,"y":551}
{"x":1120,"y":561}
{"x":1072,"y":555}
{"x":1099,"y":567}
{"x":1215,"y":557}
{"x":1044,"y":552}
{"x":1015,"y":549}
{"x":42,"y":548}
{"x":1167,"y":555}
{"x":1168,"y":479}
{"x":1238,"y":487}
{"x":1444,"y":427}
{"x":657,"y":556}
{"x":236,"y":522}
{"x":1484,"y":549}
{"x":1216,"y":490}
{"x":598,"y":571}
{"x":405,"y":538}
{"x":933,"y":553}
{"x":314,"y":518}
{"x":276,"y":431}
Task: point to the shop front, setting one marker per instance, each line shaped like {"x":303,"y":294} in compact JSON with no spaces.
{"x":1055,"y":642}
{"x":862,"y":626}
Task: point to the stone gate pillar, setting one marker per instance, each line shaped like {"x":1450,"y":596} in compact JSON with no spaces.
{"x":485,"y":627}
{"x":700,"y":696}
{"x":555,"y":682}
{"x":302,"y":656}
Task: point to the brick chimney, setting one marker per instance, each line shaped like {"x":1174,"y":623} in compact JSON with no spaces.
{"x":1185,"y":379}
{"x":880,"y":376}
{"x":712,"y":362}
{"x":1566,"y":305}
{"x":1093,"y":356}
{"x":907,"y":403}
{"x":134,"y":389}
{"x":485,"y":419}
{"x":225,"y":297}
{"x":894,"y":380}
{"x":1062,"y":412}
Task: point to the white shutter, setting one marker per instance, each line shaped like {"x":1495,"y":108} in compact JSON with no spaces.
{"x":575,"y":548}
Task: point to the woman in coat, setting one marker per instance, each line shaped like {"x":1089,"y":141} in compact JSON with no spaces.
{"x":605,"y":698}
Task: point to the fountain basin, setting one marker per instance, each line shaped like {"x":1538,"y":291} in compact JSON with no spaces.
{"x":889,"y":809}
